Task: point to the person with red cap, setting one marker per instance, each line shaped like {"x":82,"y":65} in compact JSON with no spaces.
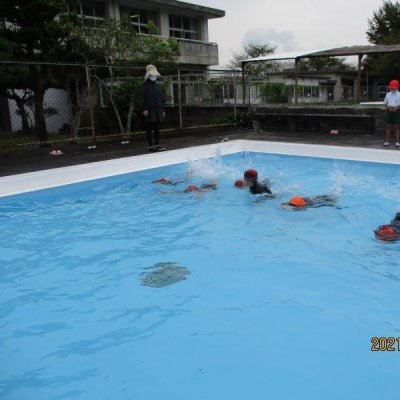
{"x":389,"y":232}
{"x":255,"y":187}
{"x":392,"y":103}
{"x":300,"y":203}
{"x":205,"y":187}
{"x":167,"y":181}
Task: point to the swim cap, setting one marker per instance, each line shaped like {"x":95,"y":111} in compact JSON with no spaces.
{"x":386,"y":233}
{"x":251,"y":175}
{"x":240,"y":184}
{"x":162,"y":180}
{"x":393,"y":85}
{"x":297,"y":201}
{"x":386,"y":230}
{"x":191,"y":188}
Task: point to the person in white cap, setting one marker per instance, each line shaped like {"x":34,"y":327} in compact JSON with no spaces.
{"x":153,"y":107}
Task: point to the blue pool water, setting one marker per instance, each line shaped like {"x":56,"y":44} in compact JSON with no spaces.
{"x":275,"y":304}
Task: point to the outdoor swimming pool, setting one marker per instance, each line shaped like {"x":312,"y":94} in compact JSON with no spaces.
{"x":273,"y":304}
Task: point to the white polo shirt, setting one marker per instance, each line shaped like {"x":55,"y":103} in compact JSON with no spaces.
{"x":392,"y":99}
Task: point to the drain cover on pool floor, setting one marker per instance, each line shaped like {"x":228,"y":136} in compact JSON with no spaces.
{"x":164,"y":274}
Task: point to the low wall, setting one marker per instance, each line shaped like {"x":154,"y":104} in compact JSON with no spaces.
{"x":353,"y":119}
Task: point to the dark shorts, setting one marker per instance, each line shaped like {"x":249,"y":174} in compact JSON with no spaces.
{"x":392,"y":117}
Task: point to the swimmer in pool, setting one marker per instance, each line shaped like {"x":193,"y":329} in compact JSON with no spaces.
{"x":301,"y":203}
{"x":167,"y":181}
{"x":205,"y":187}
{"x":396,"y":220}
{"x":389,"y":232}
{"x":250,"y":177}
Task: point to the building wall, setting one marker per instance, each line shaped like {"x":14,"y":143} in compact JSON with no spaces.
{"x":197,"y":52}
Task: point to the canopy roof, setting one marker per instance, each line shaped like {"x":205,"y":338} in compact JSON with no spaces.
{"x":335,"y":52}
{"x":359,"y":51}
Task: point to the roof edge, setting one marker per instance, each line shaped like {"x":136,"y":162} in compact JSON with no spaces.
{"x":208,"y":11}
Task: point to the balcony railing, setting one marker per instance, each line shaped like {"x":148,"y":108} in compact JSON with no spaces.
{"x":196,"y":52}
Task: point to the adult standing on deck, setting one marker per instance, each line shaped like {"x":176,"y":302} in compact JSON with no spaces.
{"x":392,"y":103}
{"x":153,"y":107}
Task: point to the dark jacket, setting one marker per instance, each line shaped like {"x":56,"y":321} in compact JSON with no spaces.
{"x":396,"y":222}
{"x":152,"y":99}
{"x":259,"y":188}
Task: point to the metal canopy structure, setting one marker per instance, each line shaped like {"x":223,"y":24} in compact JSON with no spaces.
{"x":359,"y":51}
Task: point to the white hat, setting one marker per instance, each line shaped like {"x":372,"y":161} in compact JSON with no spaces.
{"x":151,"y":70}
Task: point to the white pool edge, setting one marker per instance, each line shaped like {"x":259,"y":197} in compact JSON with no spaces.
{"x":32,"y":181}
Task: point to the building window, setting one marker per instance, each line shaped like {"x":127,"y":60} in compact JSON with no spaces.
{"x":310,"y":91}
{"x":183,"y":27}
{"x":139,"y":18}
{"x":92,"y":9}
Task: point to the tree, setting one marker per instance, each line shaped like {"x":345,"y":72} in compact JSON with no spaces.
{"x":116,"y":43}
{"x":43,"y":32}
{"x":35,"y":31}
{"x":384,"y":28}
{"x":324,"y":64}
{"x":252,"y":51}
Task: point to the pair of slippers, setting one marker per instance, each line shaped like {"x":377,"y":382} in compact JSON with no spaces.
{"x":56,"y":153}
{"x":154,"y":149}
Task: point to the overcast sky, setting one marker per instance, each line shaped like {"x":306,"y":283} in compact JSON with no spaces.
{"x":289,"y":25}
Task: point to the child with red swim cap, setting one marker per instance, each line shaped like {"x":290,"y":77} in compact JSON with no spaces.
{"x":206,"y":187}
{"x":250,"y":177}
{"x":167,"y":181}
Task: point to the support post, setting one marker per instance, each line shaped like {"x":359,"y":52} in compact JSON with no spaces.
{"x":234,"y":99}
{"x":180,"y":100}
{"x":296,"y":79}
{"x":243,"y":83}
{"x":358,"y":98}
{"x":89,"y":87}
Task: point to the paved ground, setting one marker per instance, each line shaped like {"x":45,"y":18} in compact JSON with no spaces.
{"x":34,"y":159}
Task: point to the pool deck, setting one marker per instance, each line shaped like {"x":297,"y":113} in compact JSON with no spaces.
{"x":36,"y":159}
{"x":106,"y":164}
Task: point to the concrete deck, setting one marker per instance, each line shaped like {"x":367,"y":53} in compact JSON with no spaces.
{"x":35,"y":159}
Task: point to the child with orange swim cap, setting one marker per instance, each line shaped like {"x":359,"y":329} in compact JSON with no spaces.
{"x":298,"y":202}
{"x":389,"y":232}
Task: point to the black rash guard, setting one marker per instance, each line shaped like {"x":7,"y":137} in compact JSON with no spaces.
{"x":259,"y":188}
{"x":319,"y":201}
